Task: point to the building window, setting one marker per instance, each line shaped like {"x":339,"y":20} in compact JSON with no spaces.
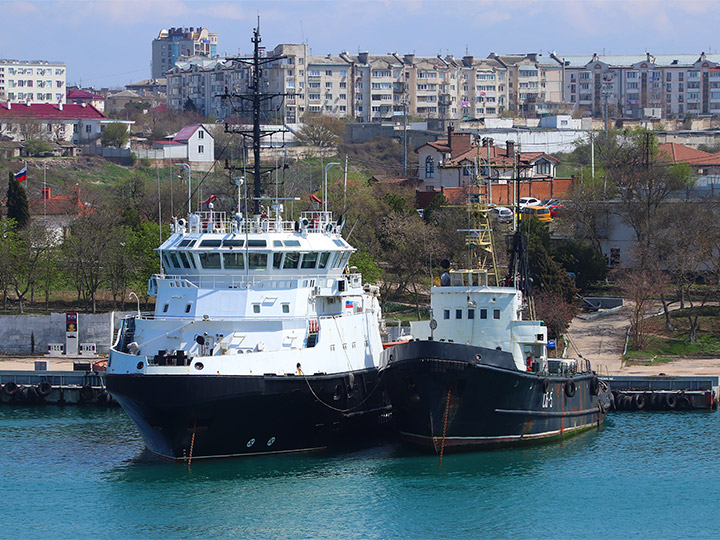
{"x":201,"y":134}
{"x":88,"y":129}
{"x":429,"y":167}
{"x":201,"y":149}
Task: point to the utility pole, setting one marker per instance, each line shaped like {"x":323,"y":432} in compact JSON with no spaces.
{"x":592,"y":155}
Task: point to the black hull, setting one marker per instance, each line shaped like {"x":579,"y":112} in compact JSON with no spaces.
{"x":459,"y":397}
{"x":190,"y":416}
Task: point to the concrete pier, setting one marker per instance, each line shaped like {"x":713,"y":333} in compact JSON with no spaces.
{"x":54,"y":387}
{"x":657,"y":393}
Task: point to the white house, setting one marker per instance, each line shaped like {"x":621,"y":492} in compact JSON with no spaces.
{"x":193,"y":144}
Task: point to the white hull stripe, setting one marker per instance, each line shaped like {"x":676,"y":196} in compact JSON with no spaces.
{"x":460,"y":441}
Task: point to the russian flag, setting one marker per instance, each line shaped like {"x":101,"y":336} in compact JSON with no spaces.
{"x":349,"y":304}
{"x":22,"y":175}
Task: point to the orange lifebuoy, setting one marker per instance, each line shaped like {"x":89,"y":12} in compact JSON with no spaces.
{"x":529,"y":363}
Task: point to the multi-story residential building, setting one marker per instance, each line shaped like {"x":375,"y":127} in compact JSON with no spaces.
{"x":32,"y":82}
{"x":534,"y":85}
{"x":171,"y":45}
{"x":373,"y":87}
{"x":635,"y":85}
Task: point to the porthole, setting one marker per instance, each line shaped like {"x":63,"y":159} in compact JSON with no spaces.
{"x":140,"y":365}
{"x":199,"y":365}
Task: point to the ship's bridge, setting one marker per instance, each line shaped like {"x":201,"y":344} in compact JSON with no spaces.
{"x":210,"y":244}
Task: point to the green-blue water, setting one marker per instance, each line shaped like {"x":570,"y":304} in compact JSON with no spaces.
{"x":81,"y":473}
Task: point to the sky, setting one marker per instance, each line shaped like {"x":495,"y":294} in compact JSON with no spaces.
{"x":107,"y":43}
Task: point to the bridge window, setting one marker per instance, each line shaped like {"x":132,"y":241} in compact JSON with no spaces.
{"x":458,"y":313}
{"x":257,"y":243}
{"x":496,"y":314}
{"x":277,"y":259}
{"x":209,"y":260}
{"x":231,"y":243}
{"x":233,"y":260}
{"x":483,"y":313}
{"x":210,"y":243}
{"x":186,"y":243}
{"x":257,"y":261}
{"x":286,"y":308}
{"x":292,"y":260}
{"x":309,"y":260}
{"x":323,"y":259}
{"x":183,"y":259}
{"x":471,"y":313}
{"x":446,"y":313}
{"x":256,"y":308}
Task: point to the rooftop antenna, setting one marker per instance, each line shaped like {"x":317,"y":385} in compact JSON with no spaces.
{"x":302,"y":32}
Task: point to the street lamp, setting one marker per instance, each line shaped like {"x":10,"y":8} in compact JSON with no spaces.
{"x":326,"y":171}
{"x":187,"y":167}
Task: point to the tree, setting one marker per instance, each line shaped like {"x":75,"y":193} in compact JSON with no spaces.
{"x":86,"y":252}
{"x":37,"y":147}
{"x":17,"y":203}
{"x":640,"y":285}
{"x":115,"y":135}
{"x":584,"y":261}
{"x":26,"y":257}
{"x":321,"y":130}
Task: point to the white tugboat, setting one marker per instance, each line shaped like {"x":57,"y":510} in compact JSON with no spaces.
{"x":261,"y":340}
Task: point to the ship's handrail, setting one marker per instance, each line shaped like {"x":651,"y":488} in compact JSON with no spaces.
{"x":267,"y":281}
{"x":211,"y":221}
{"x":232,"y":318}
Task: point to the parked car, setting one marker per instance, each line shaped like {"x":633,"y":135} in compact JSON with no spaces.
{"x":555,"y":209}
{"x":528,"y":201}
{"x":540,"y":212}
{"x":502,"y":213}
{"x":549,"y":202}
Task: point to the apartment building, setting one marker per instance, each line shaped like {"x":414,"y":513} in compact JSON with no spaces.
{"x":173,"y":44}
{"x":534,"y":85}
{"x":371,"y":88}
{"x":32,"y":82}
{"x":634,"y":85}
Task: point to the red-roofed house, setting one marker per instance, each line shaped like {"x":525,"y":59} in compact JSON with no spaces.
{"x":76,"y":123}
{"x":192,"y":144}
{"x":83,"y":96}
{"x":57,"y":212}
{"x":453,"y":162}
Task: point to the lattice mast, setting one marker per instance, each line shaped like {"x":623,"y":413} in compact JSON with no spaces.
{"x":256,"y":97}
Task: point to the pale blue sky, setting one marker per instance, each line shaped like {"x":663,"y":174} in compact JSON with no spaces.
{"x":107,"y":42}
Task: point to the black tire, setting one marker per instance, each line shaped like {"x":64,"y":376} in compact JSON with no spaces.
{"x":594,"y":386}
{"x":683,"y":402}
{"x":10,"y":388}
{"x":570,"y":388}
{"x":104,"y":398}
{"x":21,"y":395}
{"x":670,"y":401}
{"x":87,"y":393}
{"x":43,"y":389}
{"x":546,"y":385}
{"x":626,"y":402}
{"x":639,"y":402}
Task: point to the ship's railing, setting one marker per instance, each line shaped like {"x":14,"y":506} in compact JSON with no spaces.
{"x":218,"y":222}
{"x":562,"y":367}
{"x":246,"y":281}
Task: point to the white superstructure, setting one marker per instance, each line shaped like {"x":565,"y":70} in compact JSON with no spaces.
{"x":254,"y":297}
{"x":471,"y":312}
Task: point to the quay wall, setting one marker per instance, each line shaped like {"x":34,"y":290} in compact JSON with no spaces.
{"x":19,"y":332}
